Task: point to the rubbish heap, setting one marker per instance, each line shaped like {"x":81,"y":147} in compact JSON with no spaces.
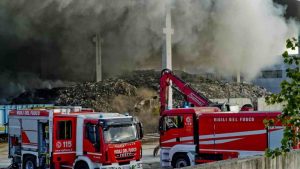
{"x":135,"y":92}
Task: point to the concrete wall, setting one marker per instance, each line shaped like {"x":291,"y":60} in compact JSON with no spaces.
{"x":261,"y":104}
{"x":289,"y":161}
{"x":238,"y":101}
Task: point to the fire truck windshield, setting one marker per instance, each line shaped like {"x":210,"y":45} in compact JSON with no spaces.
{"x":120,"y":134}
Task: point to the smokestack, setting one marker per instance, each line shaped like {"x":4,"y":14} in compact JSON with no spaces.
{"x":167,"y":54}
{"x":238,"y":76}
{"x":98,"y":43}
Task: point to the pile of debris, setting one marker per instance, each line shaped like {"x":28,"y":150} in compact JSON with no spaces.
{"x":96,"y":95}
{"x":135,"y":92}
{"x":100,"y":94}
{"x":210,"y":88}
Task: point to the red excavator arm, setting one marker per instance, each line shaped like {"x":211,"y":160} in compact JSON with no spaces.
{"x":191,"y":95}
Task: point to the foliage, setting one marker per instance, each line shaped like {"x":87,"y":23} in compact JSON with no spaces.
{"x":290,"y":98}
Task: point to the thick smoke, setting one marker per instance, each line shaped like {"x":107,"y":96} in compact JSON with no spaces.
{"x":231,"y":36}
{"x":12,"y":84}
{"x":53,"y":38}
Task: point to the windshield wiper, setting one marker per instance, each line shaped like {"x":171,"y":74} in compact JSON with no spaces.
{"x":123,"y":140}
{"x":127,"y":139}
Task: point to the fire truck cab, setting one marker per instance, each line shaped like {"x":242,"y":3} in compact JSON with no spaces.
{"x":73,"y":138}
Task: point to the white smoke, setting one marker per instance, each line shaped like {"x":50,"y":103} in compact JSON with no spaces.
{"x":226,"y":36}
{"x":233,"y":35}
{"x":250,"y":35}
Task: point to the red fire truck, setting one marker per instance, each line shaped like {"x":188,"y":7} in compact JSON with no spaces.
{"x":73,"y":138}
{"x":190,"y":136}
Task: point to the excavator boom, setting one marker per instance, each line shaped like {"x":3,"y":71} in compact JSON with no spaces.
{"x":191,"y":95}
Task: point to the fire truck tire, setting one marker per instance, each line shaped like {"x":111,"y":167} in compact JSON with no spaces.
{"x":29,"y":163}
{"x":81,"y":165}
{"x":180,"y":160}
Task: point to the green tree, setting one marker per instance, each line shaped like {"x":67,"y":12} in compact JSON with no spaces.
{"x":290,"y":98}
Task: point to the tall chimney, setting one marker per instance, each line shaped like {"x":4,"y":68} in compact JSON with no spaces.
{"x":238,"y":76}
{"x":167,"y":54}
{"x":98,"y":42}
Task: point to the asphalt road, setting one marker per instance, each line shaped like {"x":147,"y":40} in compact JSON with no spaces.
{"x":148,"y":159}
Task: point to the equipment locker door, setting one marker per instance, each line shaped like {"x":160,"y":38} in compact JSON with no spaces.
{"x":177,"y":129}
{"x":14,"y":137}
{"x":64,"y":140}
{"x":244,"y":133}
{"x":92,"y":140}
{"x":43,"y":143}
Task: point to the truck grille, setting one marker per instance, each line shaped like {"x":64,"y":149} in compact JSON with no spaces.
{"x":125,"y":156}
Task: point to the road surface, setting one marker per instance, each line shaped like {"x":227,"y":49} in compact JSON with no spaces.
{"x":148,"y":159}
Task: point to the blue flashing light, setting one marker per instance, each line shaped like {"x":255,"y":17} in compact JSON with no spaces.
{"x":186,"y":105}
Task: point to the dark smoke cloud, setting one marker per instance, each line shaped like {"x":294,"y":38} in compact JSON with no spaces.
{"x":12,"y":84}
{"x":52,"y":39}
{"x":58,"y":35}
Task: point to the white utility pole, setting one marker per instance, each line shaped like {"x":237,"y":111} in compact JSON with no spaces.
{"x":238,"y":76}
{"x":167,"y":54}
{"x":238,"y":71}
{"x":98,"y":42}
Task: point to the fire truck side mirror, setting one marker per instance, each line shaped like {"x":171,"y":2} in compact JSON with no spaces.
{"x":140,"y":131}
{"x":139,"y":128}
{"x":161,"y":126}
{"x":101,"y":124}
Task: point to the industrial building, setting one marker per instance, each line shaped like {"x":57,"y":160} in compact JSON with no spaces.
{"x":271,"y":77}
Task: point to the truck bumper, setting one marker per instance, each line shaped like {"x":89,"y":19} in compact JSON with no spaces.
{"x":132,"y":165}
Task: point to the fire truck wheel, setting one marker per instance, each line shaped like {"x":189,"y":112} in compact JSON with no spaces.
{"x":180,"y":160}
{"x":29,"y":163}
{"x":81,"y":165}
